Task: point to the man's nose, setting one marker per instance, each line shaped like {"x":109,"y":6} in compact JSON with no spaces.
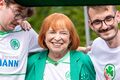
{"x":104,"y":25}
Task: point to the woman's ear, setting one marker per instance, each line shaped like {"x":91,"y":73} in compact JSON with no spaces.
{"x":118,"y":16}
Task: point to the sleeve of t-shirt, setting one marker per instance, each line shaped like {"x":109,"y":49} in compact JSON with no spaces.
{"x":34,"y":46}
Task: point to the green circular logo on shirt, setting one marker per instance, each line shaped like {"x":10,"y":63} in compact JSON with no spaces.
{"x":15,"y":44}
{"x":110,"y":70}
{"x":67,"y":75}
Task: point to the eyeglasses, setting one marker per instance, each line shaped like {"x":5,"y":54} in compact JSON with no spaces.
{"x":109,"y":20}
{"x":18,"y":14}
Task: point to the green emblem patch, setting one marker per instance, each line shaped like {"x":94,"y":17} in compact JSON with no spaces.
{"x":110,"y":70}
{"x":67,"y":75}
{"x":15,"y":44}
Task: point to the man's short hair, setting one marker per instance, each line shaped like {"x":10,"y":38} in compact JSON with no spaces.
{"x":28,"y":10}
{"x":101,"y":8}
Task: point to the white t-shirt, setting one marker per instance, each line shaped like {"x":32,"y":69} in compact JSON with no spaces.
{"x":14,"y":49}
{"x":57,"y":70}
{"x":105,"y":58}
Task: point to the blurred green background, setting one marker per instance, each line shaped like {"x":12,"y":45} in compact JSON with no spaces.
{"x":75,"y":13}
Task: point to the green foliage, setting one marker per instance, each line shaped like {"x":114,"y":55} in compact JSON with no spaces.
{"x":75,"y":13}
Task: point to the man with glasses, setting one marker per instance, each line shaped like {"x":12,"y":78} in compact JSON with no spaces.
{"x":105,"y":51}
{"x":15,"y":44}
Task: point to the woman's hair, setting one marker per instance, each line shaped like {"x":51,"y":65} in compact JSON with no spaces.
{"x":58,"y":21}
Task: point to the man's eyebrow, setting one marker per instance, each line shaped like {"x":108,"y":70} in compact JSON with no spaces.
{"x":109,"y":16}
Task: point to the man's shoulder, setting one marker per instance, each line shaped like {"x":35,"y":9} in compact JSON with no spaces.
{"x":99,"y":47}
{"x":98,"y":42}
{"x":19,"y":28}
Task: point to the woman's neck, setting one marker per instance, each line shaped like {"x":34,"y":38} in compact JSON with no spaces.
{"x":57,"y":55}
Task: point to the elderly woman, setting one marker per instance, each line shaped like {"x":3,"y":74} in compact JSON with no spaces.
{"x":60,"y":60}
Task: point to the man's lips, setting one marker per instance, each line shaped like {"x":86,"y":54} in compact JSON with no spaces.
{"x":105,"y":30}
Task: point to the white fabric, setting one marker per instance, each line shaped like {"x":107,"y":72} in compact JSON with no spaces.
{"x":13,"y":62}
{"x":102,"y":55}
{"x":61,"y":71}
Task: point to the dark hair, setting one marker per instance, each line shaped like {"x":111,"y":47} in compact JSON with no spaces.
{"x":28,"y":11}
{"x":8,"y":2}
